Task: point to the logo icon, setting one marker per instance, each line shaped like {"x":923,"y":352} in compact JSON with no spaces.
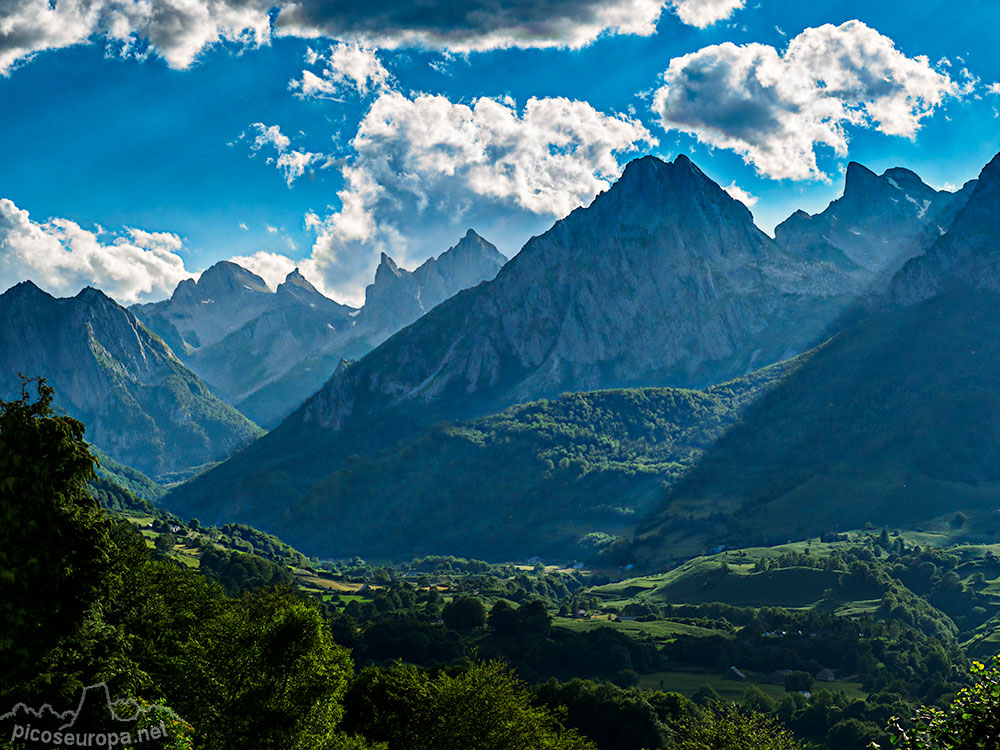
{"x":96,"y":722}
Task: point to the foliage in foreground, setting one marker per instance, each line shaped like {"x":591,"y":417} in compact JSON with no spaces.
{"x":734,"y":728}
{"x":485,"y":707}
{"x":971,"y":722}
{"x":263,"y":669}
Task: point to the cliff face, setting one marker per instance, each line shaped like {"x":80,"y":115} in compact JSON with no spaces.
{"x":967,"y":255}
{"x":140,"y":404}
{"x":879,"y":223}
{"x":664,"y":279}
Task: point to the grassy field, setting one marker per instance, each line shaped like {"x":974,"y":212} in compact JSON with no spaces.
{"x":688,"y":682}
{"x":707,"y":580}
{"x":325,"y":583}
{"x":660,"y":630}
{"x":186,"y":552}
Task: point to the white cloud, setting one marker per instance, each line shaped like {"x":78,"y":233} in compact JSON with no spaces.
{"x":177,"y":29}
{"x":776,"y":108}
{"x":993,"y":88}
{"x":348,"y":64}
{"x":702,"y":13}
{"x":741,"y":195}
{"x":180,"y":30}
{"x":292,"y":163}
{"x":427,"y":168}
{"x":295,"y":163}
{"x":272,"y":267}
{"x":62,"y":257}
{"x":969,"y":83}
{"x":269,"y":135}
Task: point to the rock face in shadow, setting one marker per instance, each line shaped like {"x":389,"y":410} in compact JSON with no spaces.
{"x":967,"y":256}
{"x":879,"y":223}
{"x":140,"y":404}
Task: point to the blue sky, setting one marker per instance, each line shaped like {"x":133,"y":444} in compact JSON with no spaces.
{"x":146,"y":166}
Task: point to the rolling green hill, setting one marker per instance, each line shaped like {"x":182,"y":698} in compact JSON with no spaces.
{"x":534,"y":479}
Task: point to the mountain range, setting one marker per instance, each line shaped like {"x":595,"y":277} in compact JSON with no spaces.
{"x":141,"y":406}
{"x":664,"y":280}
{"x":550,"y":410}
{"x":265,"y":352}
{"x":892,"y":422}
{"x":879,"y":223}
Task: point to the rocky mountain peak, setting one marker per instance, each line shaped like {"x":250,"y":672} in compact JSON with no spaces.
{"x":226,"y":278}
{"x":652,"y":190}
{"x":907,"y":180}
{"x":93,"y":296}
{"x":879,"y":223}
{"x":858,"y":178}
{"x":471,"y":260}
{"x":652,"y":175}
{"x":398,"y":297}
{"x":385,"y":273}
{"x":141,"y":406}
{"x":989,"y":178}
{"x":795,"y":224}
{"x":296,"y":282}
{"x":186,"y":290}
{"x":25,"y":290}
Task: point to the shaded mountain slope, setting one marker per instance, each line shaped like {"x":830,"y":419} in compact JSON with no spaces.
{"x":894,"y":421}
{"x":663,"y":280}
{"x":548,"y":477}
{"x":967,"y":256}
{"x":142,"y":407}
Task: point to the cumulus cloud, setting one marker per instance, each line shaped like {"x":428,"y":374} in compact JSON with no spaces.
{"x":776,"y":108}
{"x":62,"y":257}
{"x":292,"y":163}
{"x":272,"y":267}
{"x":425,"y":168}
{"x":489,"y":24}
{"x":740,"y":194}
{"x":702,"y":13}
{"x":993,"y":88}
{"x":179,"y":30}
{"x":348,"y":64}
